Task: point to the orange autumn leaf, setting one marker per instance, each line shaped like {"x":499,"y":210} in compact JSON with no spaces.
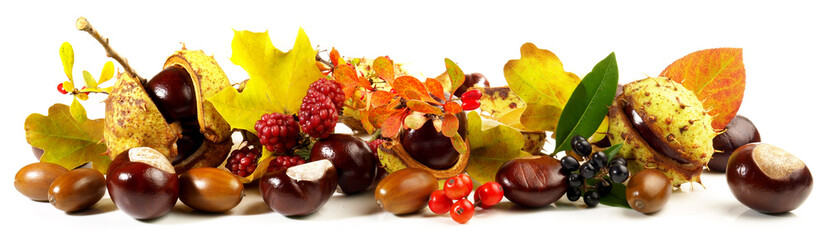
{"x":384,"y":68}
{"x":435,"y":88}
{"x":391,"y":126}
{"x":717,"y":76}
{"x":381,"y":98}
{"x":334,"y":55}
{"x":452,"y":108}
{"x":450,"y":125}
{"x":409,"y":84}
{"x":347,"y":77}
{"x":423,"y":107}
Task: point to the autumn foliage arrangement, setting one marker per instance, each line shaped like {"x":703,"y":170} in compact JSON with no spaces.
{"x":287,"y":111}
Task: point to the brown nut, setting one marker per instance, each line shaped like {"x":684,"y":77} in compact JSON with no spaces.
{"x":737,"y":133}
{"x":299,"y":190}
{"x":534,"y":181}
{"x":768,"y":179}
{"x":405,"y":191}
{"x":210,"y":189}
{"x":648,"y":191}
{"x":33,"y":180}
{"x":142,"y":183}
{"x":77,"y":190}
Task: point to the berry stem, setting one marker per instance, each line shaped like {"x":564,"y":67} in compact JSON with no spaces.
{"x":83,"y":25}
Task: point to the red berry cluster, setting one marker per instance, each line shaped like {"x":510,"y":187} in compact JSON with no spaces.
{"x":457,"y":189}
{"x":243,"y":162}
{"x":320,"y":108}
{"x":277,"y":132}
{"x":471,"y":99}
{"x":284,"y":162}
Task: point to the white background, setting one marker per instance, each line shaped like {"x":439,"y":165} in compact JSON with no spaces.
{"x":784,"y":45}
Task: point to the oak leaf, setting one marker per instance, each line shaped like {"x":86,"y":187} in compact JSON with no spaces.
{"x":67,"y":140}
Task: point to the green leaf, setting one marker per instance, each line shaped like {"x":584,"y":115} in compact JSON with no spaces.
{"x":89,"y":79}
{"x":77,"y":111}
{"x":613,"y":150}
{"x":66,"y":141}
{"x":588,"y":104}
{"x":617,"y":196}
{"x":67,"y":57}
{"x":107,"y":72}
{"x":492,"y":144}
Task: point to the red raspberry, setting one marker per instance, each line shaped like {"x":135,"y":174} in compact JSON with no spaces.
{"x":277,"y":132}
{"x":284,"y":162}
{"x":329,"y":88}
{"x":317,"y":115}
{"x":374,"y":145}
{"x":243,"y":162}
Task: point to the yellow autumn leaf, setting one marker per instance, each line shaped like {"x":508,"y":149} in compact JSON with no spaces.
{"x":278,"y":80}
{"x":67,"y":57}
{"x":492,"y":144}
{"x":107,"y":72}
{"x":539,"y":79}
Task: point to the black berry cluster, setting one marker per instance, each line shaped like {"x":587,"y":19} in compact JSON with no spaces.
{"x":596,"y":166}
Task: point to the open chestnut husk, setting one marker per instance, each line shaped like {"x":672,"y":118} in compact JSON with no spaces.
{"x":395,"y":156}
{"x":767,"y":178}
{"x":299,"y":190}
{"x":663,"y":126}
{"x":737,"y":133}
{"x":170,"y":113}
{"x":534,"y":181}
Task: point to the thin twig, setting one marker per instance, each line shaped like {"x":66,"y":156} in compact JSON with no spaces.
{"x":84,"y":25}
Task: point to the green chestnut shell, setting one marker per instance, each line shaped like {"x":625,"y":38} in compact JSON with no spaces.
{"x":677,"y":120}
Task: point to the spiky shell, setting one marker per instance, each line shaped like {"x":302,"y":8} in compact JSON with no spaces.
{"x":675,"y":115}
{"x":133,"y":120}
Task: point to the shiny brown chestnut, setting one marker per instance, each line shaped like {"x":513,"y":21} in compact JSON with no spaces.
{"x":534,"y":181}
{"x":33,"y":180}
{"x":767,"y":178}
{"x":738,"y":132}
{"x":299,"y":190}
{"x":210,"y":189}
{"x":142,"y":183}
{"x":648,"y":191}
{"x":77,"y":190}
{"x":352,"y":158}
{"x":405,"y":191}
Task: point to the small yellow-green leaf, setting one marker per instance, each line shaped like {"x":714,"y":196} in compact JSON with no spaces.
{"x":68,"y":86}
{"x":492,"y":144}
{"x":108,"y":89}
{"x":67,"y":57}
{"x":455,"y":74}
{"x":65,"y":141}
{"x":107,"y":72}
{"x":89,"y":79}
{"x":77,"y":111}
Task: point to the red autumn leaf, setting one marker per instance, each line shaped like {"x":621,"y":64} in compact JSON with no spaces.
{"x":455,"y":74}
{"x":381,"y":98}
{"x":717,"y":76}
{"x":452,"y":108}
{"x":450,"y":125}
{"x":423,"y":107}
{"x":391,"y":126}
{"x":334,"y":55}
{"x":364,"y":83}
{"x":435,"y":88}
{"x":384,"y":68}
{"x":404,"y":84}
